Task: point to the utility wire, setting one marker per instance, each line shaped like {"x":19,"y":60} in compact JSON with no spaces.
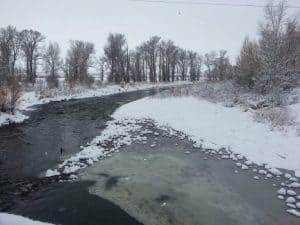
{"x":209,"y":3}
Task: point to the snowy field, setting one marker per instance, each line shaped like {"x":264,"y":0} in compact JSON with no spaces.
{"x":31,"y":98}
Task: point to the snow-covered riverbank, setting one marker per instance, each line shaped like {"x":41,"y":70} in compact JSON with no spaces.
{"x":209,"y":125}
{"x":215,"y":126}
{"x":31,"y":98}
{"x":10,"y":219}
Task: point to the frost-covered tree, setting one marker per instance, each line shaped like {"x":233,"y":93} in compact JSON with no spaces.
{"x":271,"y":64}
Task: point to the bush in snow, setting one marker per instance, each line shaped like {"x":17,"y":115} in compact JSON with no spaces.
{"x":10,"y":91}
{"x":277,"y":116}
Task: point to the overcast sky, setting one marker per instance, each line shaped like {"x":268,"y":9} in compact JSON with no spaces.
{"x":198,"y":27}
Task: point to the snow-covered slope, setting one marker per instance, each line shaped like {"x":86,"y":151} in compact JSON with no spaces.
{"x":215,"y":126}
{"x":10,"y":219}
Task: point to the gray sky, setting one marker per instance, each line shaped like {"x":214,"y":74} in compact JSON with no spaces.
{"x":201,"y":28}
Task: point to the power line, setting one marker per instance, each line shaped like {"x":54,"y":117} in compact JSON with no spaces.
{"x":209,"y":3}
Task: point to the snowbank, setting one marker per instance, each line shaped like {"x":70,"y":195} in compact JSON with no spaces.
{"x":10,"y":219}
{"x":29,"y":99}
{"x":214,"y":126}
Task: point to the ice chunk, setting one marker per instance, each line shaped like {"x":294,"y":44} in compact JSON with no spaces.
{"x":290,"y":200}
{"x":294,"y":185}
{"x":291,"y":192}
{"x":281,"y":191}
{"x":293,"y":212}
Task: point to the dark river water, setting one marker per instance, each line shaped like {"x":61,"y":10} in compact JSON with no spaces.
{"x":28,"y":149}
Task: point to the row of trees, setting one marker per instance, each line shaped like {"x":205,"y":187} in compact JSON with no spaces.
{"x":14,"y":43}
{"x":272,"y":63}
{"x":155,"y":60}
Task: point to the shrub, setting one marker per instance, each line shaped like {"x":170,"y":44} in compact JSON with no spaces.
{"x":276,"y":116}
{"x":9,"y":94}
{"x":52,"y":82}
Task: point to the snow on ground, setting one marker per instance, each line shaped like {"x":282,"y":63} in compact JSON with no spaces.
{"x":214,"y":126}
{"x":17,"y":118}
{"x":10,"y":219}
{"x":31,"y":98}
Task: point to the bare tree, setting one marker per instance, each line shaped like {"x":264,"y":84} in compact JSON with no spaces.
{"x":101,"y":63}
{"x":192,"y":56}
{"x":222,"y":65}
{"x":209,"y":62}
{"x":151,"y":52}
{"x":29,"y":41}
{"x":52,"y":64}
{"x":136,"y":65}
{"x":199,"y":62}
{"x":115,"y":52}
{"x":78,"y":62}
{"x":9,"y":49}
{"x":248,"y":64}
{"x":183,"y":63}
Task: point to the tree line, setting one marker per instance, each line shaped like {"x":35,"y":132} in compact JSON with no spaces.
{"x":154,"y":60}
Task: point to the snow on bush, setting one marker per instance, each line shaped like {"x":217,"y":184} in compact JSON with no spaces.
{"x":276,"y":117}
